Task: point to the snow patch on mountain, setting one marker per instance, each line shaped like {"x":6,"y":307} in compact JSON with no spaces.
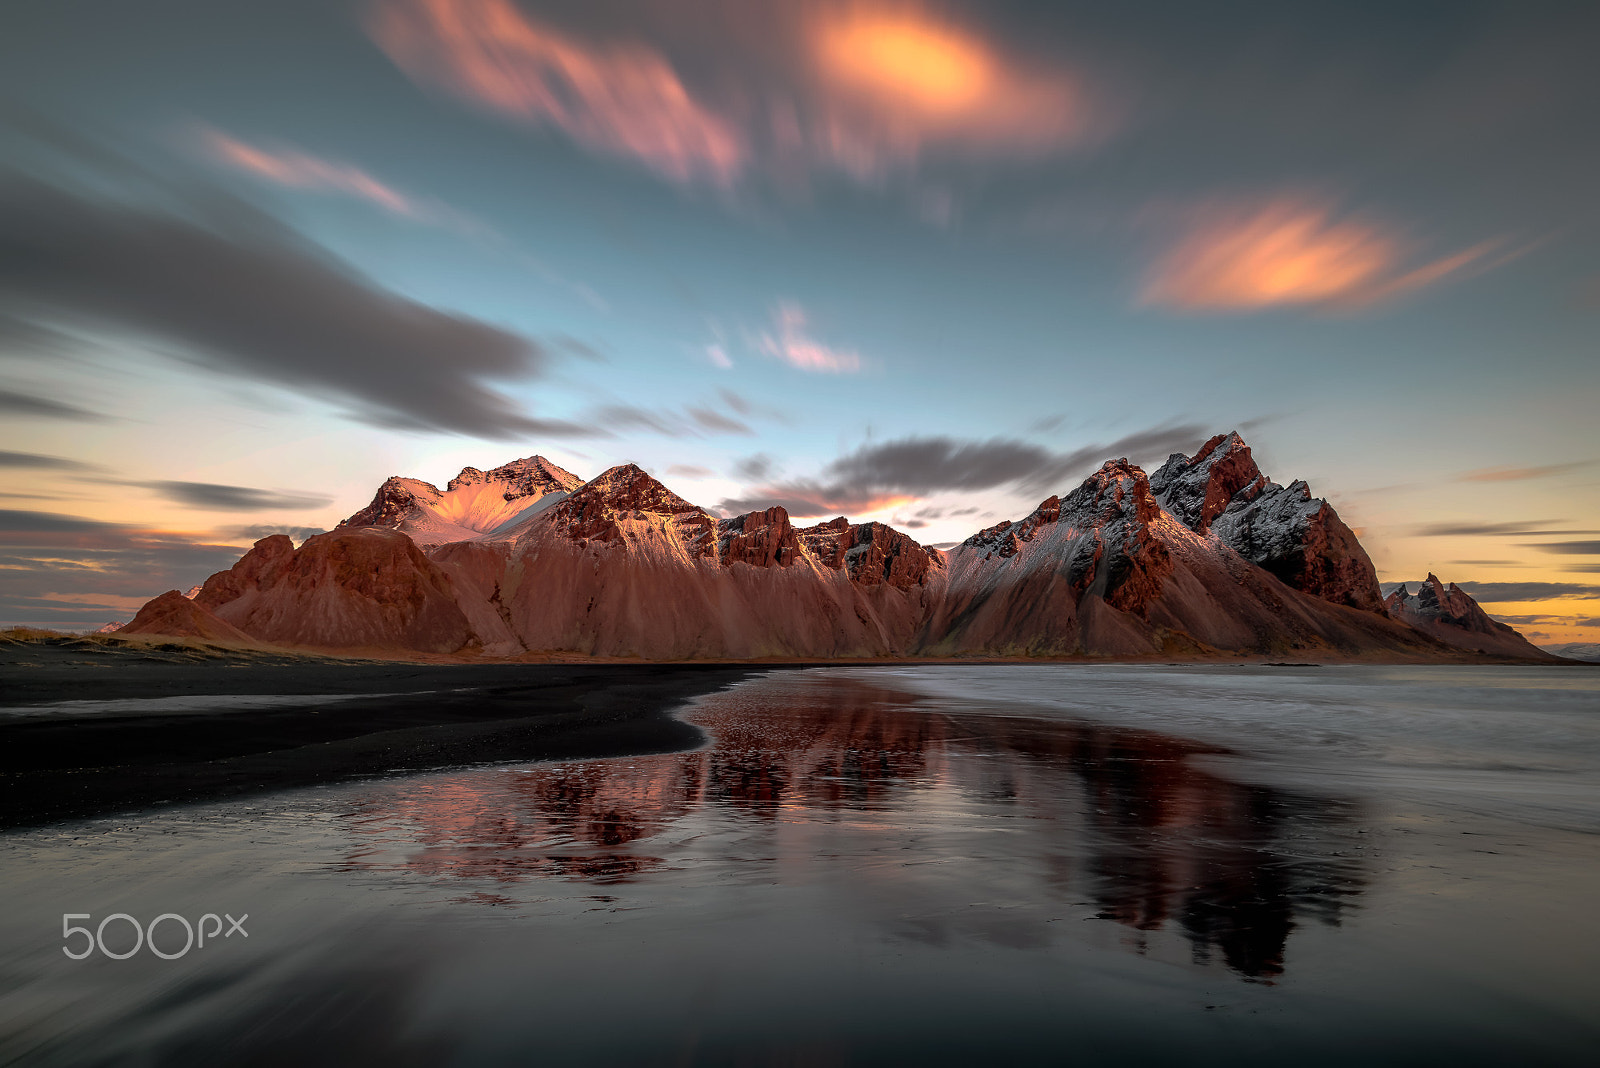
{"x":476,"y":505}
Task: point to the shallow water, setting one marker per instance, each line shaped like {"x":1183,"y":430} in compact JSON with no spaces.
{"x":1095,"y":864}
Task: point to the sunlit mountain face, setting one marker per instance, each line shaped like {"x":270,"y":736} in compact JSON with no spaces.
{"x":917,"y":262}
{"x":901,"y":819}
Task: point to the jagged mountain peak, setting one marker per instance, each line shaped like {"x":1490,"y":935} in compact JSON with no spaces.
{"x":1119,"y":489}
{"x":1198,"y":489}
{"x":1449,"y":613}
{"x":629,"y":487}
{"x":525,"y":476}
{"x":1297,"y":537}
{"x":476,"y":504}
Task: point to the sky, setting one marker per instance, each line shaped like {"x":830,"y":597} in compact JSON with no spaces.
{"x":914,"y":262}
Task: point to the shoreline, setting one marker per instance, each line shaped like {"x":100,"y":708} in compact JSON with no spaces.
{"x":387,"y":718}
{"x":335,"y":719}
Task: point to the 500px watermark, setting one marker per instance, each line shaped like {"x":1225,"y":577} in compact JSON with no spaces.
{"x":146,"y":935}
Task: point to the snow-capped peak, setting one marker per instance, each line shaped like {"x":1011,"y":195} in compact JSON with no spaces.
{"x":476,"y":505}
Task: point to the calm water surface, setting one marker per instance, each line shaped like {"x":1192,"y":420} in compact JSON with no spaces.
{"x":929,"y":865}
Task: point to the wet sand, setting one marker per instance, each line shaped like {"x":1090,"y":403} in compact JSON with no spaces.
{"x":89,"y":728}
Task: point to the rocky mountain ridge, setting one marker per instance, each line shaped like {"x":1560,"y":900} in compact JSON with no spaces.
{"x":1207,"y":557}
{"x":1451,"y":615}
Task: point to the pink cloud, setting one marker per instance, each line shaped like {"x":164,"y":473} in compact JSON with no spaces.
{"x":625,"y":99}
{"x":302,"y":171}
{"x":1293,"y":251}
{"x":795,"y":347}
{"x":866,"y":89}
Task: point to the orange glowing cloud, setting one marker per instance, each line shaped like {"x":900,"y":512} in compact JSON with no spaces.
{"x":626,"y":100}
{"x":926,"y":66}
{"x":1292,"y":252}
{"x":893,"y":81}
{"x":308,"y":172}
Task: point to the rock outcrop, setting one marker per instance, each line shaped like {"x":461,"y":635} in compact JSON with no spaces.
{"x":347,"y":589}
{"x":1295,"y":536}
{"x":760,"y":539}
{"x":1449,"y":614}
{"x":176,"y":616}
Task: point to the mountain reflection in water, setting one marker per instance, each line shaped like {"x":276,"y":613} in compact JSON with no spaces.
{"x":920,"y":808}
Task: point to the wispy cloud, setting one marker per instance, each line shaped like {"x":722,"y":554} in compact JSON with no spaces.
{"x":1501,"y":592}
{"x":303,"y":171}
{"x":1293,"y":251}
{"x":624,"y":99}
{"x":1570,"y":548}
{"x":1524,"y":528}
{"x":864,"y":88}
{"x":243,"y":293}
{"x":26,"y":404}
{"x":1516,"y":474}
{"x":234,"y":498}
{"x":68,"y":571}
{"x":790,"y":342}
{"x":39,"y":462}
{"x":694,"y":420}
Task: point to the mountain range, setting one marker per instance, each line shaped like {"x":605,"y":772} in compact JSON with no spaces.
{"x":1205,"y":557}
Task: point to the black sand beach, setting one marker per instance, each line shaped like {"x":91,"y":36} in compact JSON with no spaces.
{"x":180,"y":725}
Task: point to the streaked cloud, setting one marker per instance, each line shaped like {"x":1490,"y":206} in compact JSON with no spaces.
{"x":693,"y":420}
{"x":1570,"y":548}
{"x":300,"y":170}
{"x":234,"y":498}
{"x":1526,"y":527}
{"x":23,"y":405}
{"x":715,"y":421}
{"x":689,"y":471}
{"x":1501,"y":592}
{"x":303,"y":171}
{"x":15,"y":522}
{"x":863,"y":89}
{"x":790,"y":342}
{"x":1517,"y":474}
{"x":624,"y":99}
{"x":243,"y":294}
{"x":38,"y":462}
{"x":1293,"y":251}
{"x":68,"y":571}
{"x":1548,"y":620}
{"x":896,"y":473}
